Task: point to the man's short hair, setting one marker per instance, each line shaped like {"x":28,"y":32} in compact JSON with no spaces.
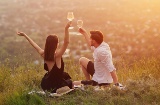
{"x":97,"y":36}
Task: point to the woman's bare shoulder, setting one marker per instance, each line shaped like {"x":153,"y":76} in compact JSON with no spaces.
{"x":58,"y":55}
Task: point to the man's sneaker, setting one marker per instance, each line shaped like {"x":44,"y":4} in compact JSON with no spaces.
{"x":119,"y":86}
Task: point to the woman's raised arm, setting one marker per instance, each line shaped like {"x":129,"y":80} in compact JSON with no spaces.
{"x":66,"y":41}
{"x":39,"y":50}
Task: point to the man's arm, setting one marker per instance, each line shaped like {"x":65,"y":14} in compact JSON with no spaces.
{"x":107,"y":61}
{"x":114,"y":76}
{"x":85,"y":34}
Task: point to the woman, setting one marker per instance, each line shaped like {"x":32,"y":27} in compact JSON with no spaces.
{"x":53,"y":62}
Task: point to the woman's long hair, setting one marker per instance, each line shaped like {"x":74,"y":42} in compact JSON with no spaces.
{"x":50,"y":47}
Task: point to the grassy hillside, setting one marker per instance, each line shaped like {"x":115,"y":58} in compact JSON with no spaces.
{"x":130,"y":27}
{"x":141,"y":80}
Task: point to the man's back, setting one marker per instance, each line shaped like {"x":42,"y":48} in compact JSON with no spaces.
{"x":103,"y":64}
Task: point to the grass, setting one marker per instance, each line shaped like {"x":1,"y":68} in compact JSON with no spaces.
{"x":141,"y":80}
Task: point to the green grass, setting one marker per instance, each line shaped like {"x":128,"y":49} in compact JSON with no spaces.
{"x":141,"y":80}
{"x":22,"y":98}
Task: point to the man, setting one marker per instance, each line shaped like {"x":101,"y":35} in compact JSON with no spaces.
{"x":102,"y":70}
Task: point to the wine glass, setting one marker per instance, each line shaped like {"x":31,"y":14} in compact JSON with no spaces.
{"x":79,"y":23}
{"x":70,"y":17}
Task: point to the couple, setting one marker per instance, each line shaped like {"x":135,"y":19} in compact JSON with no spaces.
{"x":102,"y":70}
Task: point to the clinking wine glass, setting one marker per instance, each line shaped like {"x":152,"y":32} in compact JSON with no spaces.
{"x":79,"y":23}
{"x":70,"y":17}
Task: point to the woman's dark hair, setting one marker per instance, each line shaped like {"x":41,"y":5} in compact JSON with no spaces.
{"x":97,"y":36}
{"x":50,"y":47}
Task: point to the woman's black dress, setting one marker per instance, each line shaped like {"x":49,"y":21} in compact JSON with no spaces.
{"x":56,"y":78}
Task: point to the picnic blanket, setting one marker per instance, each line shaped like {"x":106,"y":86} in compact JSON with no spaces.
{"x":61,"y":91}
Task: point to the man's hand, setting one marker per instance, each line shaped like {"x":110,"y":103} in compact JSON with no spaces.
{"x":21,"y":34}
{"x":82,"y":31}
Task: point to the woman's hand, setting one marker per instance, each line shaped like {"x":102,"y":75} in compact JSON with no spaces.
{"x":21,"y":34}
{"x":39,"y":50}
{"x":68,"y":24}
